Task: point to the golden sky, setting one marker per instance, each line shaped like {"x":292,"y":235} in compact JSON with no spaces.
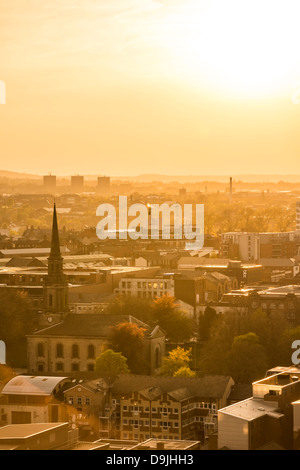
{"x":125,"y":87}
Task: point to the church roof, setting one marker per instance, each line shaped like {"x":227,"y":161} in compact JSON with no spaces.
{"x":90,"y":325}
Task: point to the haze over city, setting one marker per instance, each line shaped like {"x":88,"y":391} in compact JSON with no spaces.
{"x":144,"y":86}
{"x":149,"y":227}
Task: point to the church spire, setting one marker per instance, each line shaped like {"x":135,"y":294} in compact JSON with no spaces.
{"x":55,"y":245}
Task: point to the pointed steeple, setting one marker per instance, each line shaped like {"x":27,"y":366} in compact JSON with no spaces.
{"x":55,"y":245}
{"x":56,"y":284}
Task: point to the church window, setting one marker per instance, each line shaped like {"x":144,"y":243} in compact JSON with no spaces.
{"x":91,"y":351}
{"x":59,"y":350}
{"x":75,"y":351}
{"x":41,"y":350}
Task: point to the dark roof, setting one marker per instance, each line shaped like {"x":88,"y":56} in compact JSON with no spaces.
{"x":240,"y":392}
{"x":25,"y":262}
{"x":209,"y":386}
{"x":90,"y":325}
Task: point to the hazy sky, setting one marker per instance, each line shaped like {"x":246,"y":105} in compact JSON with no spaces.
{"x":125,"y":87}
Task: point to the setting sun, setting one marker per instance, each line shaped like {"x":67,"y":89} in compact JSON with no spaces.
{"x":246,"y":48}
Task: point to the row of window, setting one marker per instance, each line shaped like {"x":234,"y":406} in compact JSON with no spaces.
{"x":144,"y":294}
{"x":192,"y":406}
{"x":146,"y":285}
{"x":146,"y":423}
{"x":146,"y":409}
{"x":60,"y":367}
{"x":147,"y":436}
{"x":60,"y":351}
{"x":79,"y":401}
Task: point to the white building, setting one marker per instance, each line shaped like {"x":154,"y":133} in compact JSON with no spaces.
{"x":146,"y":287}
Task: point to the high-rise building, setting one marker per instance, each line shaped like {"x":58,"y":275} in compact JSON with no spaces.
{"x":77,"y":183}
{"x":49,"y":182}
{"x":103,"y":184}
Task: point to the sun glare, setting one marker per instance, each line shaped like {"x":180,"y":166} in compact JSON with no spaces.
{"x":241,"y":47}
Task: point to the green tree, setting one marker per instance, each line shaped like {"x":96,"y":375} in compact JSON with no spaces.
{"x":247,"y":360}
{"x":184,"y":372}
{"x":288,"y":337}
{"x":176,"y":359}
{"x":17,"y":321}
{"x":137,"y":307}
{"x":127,"y":338}
{"x":176,"y":324}
{"x":110,"y":364}
{"x":206,"y":321}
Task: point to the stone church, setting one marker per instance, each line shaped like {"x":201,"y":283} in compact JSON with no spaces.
{"x":69,"y":343}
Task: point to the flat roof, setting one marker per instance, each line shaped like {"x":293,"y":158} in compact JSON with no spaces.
{"x":169,"y":444}
{"x":252,"y":408}
{"x":24,"y":431}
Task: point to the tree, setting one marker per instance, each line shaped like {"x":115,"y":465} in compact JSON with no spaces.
{"x":110,"y":364}
{"x":17,"y":321}
{"x":288,"y":337}
{"x":127,"y":338}
{"x":206,"y":321}
{"x":177,"y":326}
{"x":137,"y":307}
{"x":6,"y":374}
{"x":184,"y":372}
{"x":177,"y":359}
{"x":247,"y":360}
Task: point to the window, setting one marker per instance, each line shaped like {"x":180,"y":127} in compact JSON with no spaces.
{"x":91,"y":351}
{"x":59,"y":367}
{"x":87,"y":401}
{"x":75,"y":351}
{"x":41,"y":350}
{"x":125,"y":408}
{"x":157,"y":357}
{"x":79,"y":401}
{"x":41,"y":367}
{"x":71,"y":400}
{"x":91,"y":367}
{"x":75,"y":367}
{"x":59,"y":350}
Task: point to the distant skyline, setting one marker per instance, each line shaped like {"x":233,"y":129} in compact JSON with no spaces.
{"x":130,"y":87}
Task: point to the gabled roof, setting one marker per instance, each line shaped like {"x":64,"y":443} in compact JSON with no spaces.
{"x":90,"y":325}
{"x":209,"y":386}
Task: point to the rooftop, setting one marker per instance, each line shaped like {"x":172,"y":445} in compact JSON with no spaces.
{"x":28,"y":385}
{"x":252,"y":408}
{"x":24,"y":431}
{"x":90,"y":325}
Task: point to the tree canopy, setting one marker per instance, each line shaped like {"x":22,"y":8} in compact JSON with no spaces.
{"x":110,"y":364}
{"x":177,"y":362}
{"x":127,"y":338}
